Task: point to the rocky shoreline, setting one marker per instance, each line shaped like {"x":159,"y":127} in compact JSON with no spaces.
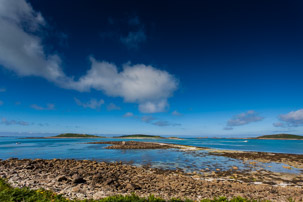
{"x":145,"y":145}
{"x":84,"y":179}
{"x":134,"y":145}
{"x":295,"y":160}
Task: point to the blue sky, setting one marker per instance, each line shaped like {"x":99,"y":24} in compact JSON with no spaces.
{"x":186,"y":68}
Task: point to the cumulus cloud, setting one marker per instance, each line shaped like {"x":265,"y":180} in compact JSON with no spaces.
{"x":176,"y":113}
{"x":112,"y":107}
{"x":148,"y":119}
{"x":142,"y":84}
{"x":278,"y":124}
{"x":21,"y":51}
{"x":165,"y":123}
{"x":291,"y":119}
{"x":42,"y":124}
{"x":128,"y":114}
{"x":2,"y":90}
{"x":48,"y":107}
{"x":13,"y":122}
{"x":243,"y":119}
{"x":151,"y":120}
{"x":157,"y":122}
{"x":92,"y":103}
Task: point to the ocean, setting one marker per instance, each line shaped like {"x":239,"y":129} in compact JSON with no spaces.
{"x":15,"y":147}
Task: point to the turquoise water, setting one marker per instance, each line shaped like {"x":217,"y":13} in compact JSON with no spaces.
{"x":169,"y":159}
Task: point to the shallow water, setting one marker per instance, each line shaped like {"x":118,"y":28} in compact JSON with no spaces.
{"x":169,"y":159}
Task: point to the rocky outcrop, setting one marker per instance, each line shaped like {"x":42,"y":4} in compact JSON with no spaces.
{"x":145,"y":145}
{"x":90,"y":179}
{"x":134,"y":145}
{"x":295,"y":160}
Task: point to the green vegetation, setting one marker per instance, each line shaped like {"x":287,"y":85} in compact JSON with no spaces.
{"x":8,"y":193}
{"x":281,"y":136}
{"x":76,"y":135}
{"x":141,"y":135}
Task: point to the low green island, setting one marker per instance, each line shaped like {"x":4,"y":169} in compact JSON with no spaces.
{"x":140,"y":136}
{"x":66,"y":135}
{"x":143,"y":136}
{"x":77,"y":135}
{"x":281,"y":136}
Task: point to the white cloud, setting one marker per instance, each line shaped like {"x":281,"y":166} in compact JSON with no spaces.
{"x":48,"y":107}
{"x":228,"y":128}
{"x":19,"y":11}
{"x":22,"y":51}
{"x":128,"y":114}
{"x":291,"y":119}
{"x":157,"y":122}
{"x":279,"y":124}
{"x":176,"y":113}
{"x":148,"y":119}
{"x":14,"y":122}
{"x":142,"y":84}
{"x":112,"y":107}
{"x":243,"y":119}
{"x":92,"y":103}
{"x":153,"y":107}
{"x":152,"y":120}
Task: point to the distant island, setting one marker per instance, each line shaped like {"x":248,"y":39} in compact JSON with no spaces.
{"x":281,"y":136}
{"x":67,"y":135}
{"x":75,"y":135}
{"x":143,"y":136}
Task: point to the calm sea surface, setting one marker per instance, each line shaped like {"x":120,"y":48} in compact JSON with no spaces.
{"x":169,"y":159}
